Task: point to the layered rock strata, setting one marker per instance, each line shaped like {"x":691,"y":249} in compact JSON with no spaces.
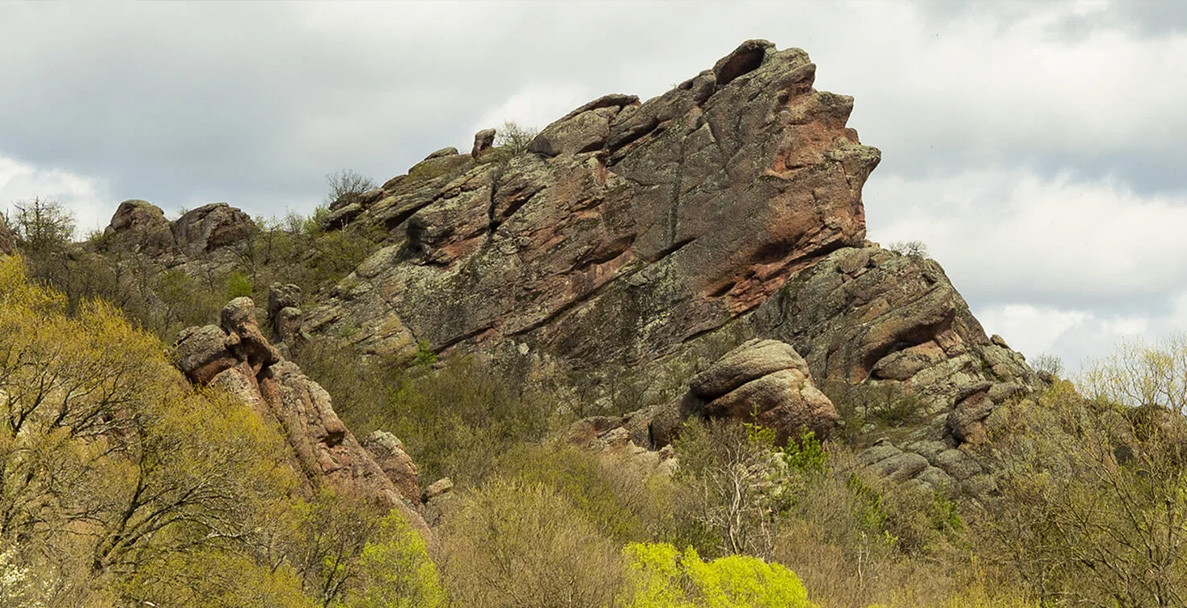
{"x":236,"y":356}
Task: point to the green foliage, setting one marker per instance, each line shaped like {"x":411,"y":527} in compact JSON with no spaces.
{"x":511,"y":544}
{"x":212,"y":578}
{"x":806,"y":455}
{"x":41,"y":226}
{"x":395,"y":571}
{"x":662,"y":577}
{"x":109,"y":460}
{"x":424,"y":354}
{"x":1094,"y":491}
{"x":238,"y":285}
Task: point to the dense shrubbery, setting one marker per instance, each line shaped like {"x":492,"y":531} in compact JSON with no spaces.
{"x":122,"y":485}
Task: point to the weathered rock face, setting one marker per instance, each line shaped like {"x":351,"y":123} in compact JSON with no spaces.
{"x":237,"y":357}
{"x":7,"y":242}
{"x":211,"y":226}
{"x":631,"y":229}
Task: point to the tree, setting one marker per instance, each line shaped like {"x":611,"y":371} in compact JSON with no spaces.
{"x":515,"y":137}
{"x":395,"y":570}
{"x":1094,"y":491}
{"x":41,"y":225}
{"x":346,"y":186}
{"x":109,"y":459}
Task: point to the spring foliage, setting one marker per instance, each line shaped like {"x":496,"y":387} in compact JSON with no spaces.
{"x":663,"y":577}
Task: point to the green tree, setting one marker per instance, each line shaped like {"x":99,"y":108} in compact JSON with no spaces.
{"x":395,"y":571}
{"x":41,"y":225}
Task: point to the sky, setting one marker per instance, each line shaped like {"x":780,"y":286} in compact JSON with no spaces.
{"x":1035,"y":148}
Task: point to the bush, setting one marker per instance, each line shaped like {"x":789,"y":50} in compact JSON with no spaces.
{"x":662,"y":577}
{"x":511,"y":544}
{"x":515,"y":138}
{"x":394,"y":570}
{"x":912,"y":248}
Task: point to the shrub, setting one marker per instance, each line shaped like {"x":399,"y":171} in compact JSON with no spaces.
{"x":912,"y":248}
{"x":662,"y":577}
{"x":512,"y":544}
{"x":514,"y":137}
{"x":395,"y":571}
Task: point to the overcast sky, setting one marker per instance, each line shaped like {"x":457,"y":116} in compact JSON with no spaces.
{"x":1034,"y":147}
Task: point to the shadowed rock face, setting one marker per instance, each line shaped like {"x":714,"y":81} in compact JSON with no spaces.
{"x":237,"y":357}
{"x":628,"y":230}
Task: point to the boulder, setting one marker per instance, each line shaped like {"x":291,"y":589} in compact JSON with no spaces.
{"x":767,"y":382}
{"x":141,"y":226}
{"x":388,"y":452}
{"x":582,"y":130}
{"x":483,"y":140}
{"x":210,"y":227}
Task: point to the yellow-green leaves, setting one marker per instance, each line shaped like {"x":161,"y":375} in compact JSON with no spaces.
{"x":663,"y":577}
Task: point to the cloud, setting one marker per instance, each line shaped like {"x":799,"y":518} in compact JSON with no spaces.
{"x":1015,"y":235}
{"x":84,"y":196}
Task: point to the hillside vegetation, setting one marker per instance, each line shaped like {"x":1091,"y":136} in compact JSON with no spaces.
{"x":642,"y":358}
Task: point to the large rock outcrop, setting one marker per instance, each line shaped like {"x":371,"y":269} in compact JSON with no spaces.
{"x":629,"y":229}
{"x":656,"y":237}
{"x":236,"y":356}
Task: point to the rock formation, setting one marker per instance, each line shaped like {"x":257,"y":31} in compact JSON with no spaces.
{"x":211,"y":226}
{"x":237,"y":357}
{"x":767,"y":382}
{"x":651,"y":235}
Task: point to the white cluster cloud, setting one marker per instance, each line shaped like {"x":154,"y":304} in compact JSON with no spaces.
{"x":86,"y":197}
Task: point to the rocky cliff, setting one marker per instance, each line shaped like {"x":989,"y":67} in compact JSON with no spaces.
{"x":717,"y":226}
{"x":662,"y":234}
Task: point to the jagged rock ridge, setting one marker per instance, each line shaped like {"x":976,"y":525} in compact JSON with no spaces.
{"x":633,"y":234}
{"x":657,"y":236}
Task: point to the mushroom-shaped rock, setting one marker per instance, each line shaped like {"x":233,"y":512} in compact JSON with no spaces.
{"x":483,"y":140}
{"x":210,"y":227}
{"x":768,"y":382}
